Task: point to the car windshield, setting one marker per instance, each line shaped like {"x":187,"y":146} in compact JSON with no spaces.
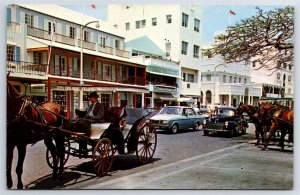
{"x":170,"y":110}
{"x":226,"y":112}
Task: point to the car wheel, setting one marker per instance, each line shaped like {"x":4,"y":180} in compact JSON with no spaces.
{"x":197,"y":127}
{"x":174,"y":128}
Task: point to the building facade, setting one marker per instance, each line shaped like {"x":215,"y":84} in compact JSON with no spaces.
{"x":227,"y":83}
{"x":175,"y":29}
{"x":44,"y":58}
{"x":275,"y":83}
{"x":162,"y":75}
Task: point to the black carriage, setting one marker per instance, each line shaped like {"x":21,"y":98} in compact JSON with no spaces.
{"x":131,"y":124}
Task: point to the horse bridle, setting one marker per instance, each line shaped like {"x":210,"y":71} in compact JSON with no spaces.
{"x":26,"y":101}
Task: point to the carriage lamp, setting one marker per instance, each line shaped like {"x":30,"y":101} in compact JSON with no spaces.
{"x":204,"y":122}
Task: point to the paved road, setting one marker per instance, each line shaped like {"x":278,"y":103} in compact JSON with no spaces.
{"x":186,"y":160}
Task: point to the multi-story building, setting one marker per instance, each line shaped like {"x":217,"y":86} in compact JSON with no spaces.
{"x":163,"y":76}
{"x":175,"y":29}
{"x":226,"y":83}
{"x":275,"y":83}
{"x":44,"y":48}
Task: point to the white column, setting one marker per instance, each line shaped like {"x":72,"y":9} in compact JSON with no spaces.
{"x":229,"y":101}
{"x":143,"y":98}
{"x":249,"y":100}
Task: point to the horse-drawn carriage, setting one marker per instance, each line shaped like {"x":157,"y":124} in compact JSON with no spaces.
{"x":105,"y":139}
{"x":28,"y":123}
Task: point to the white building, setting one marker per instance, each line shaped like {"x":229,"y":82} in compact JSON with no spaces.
{"x":226,"y":83}
{"x":274,"y":84}
{"x":175,"y":29}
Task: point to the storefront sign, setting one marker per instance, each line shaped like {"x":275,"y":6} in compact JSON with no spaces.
{"x":38,"y":88}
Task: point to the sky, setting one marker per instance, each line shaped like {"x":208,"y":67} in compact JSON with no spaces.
{"x":215,"y":17}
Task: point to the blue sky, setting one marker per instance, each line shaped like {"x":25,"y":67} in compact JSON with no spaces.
{"x":215,"y":18}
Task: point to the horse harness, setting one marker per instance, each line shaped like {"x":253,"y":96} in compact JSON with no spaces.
{"x":27,"y":102}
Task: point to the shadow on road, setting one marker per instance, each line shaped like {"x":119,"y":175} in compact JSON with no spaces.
{"x":83,"y":172}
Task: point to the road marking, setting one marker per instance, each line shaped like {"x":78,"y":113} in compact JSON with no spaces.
{"x":155,"y":169}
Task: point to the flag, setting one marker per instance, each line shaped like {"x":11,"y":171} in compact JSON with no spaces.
{"x":232,"y":12}
{"x":93,"y":6}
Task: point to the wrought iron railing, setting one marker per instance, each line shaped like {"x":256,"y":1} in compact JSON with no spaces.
{"x":26,"y":68}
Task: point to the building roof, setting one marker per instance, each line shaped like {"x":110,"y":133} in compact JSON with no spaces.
{"x":71,"y":16}
{"x":146,"y":45}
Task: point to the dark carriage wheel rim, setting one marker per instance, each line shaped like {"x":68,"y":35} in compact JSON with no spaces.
{"x":49,"y":157}
{"x":103,"y":156}
{"x":146,"y":144}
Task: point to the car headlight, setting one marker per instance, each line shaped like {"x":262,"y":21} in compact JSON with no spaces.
{"x":164,"y":122}
{"x":204,"y":122}
{"x":226,"y":123}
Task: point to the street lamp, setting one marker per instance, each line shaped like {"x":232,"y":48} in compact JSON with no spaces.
{"x":81,"y":61}
{"x":214,"y":97}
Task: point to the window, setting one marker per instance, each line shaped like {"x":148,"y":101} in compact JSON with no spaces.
{"x":184,"y":76}
{"x":208,"y":77}
{"x":154,"y":21}
{"x":191,"y":78}
{"x":103,"y":41}
{"x":29,"y":19}
{"x":127,"y":26}
{"x":278,"y":75}
{"x":169,"y":19}
{"x":289,"y":90}
{"x":168,"y":49}
{"x":235,"y":79}
{"x":10,"y":52}
{"x":105,"y":99}
{"x":240,"y":80}
{"x":8,"y":14}
{"x":140,"y":24}
{"x":117,"y":44}
{"x":37,"y":57}
{"x":184,"y":47}
{"x":253,"y":64}
{"x":143,"y":23}
{"x":196,"y":25}
{"x":137,"y":24}
{"x":86,"y":36}
{"x":230,"y":79}
{"x":185,"y":20}
{"x":224,"y":78}
{"x":245,"y":81}
{"x":196,"y":51}
{"x":290,"y":67}
{"x":72,"y":32}
{"x":289,"y":78}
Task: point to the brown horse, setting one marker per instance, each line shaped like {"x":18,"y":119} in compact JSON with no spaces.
{"x":280,"y":118}
{"x":253,"y":113}
{"x":28,"y":123}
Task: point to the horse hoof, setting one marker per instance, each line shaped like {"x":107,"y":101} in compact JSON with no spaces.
{"x":9,"y":185}
{"x":20,"y":186}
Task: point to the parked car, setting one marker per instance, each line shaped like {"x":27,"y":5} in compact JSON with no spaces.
{"x":224,"y":120}
{"x":174,"y":118}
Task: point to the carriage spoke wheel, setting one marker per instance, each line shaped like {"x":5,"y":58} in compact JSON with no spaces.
{"x":146,"y":144}
{"x":103,"y":156}
{"x":49,"y":156}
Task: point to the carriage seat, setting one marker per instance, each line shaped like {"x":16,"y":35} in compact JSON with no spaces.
{"x":112,"y":115}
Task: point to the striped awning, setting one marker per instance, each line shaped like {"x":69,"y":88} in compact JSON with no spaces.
{"x":108,"y":89}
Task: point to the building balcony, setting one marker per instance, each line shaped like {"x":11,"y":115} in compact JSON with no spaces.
{"x":59,"y":38}
{"x":27,"y":68}
{"x":13,"y":27}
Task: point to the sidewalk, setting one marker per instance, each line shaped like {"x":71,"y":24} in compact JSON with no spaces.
{"x":244,"y":166}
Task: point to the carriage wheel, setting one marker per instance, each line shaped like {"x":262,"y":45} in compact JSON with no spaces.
{"x":49,"y":156}
{"x":103,"y":156}
{"x":146,"y":144}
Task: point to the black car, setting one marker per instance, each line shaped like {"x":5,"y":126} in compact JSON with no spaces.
{"x":224,"y":120}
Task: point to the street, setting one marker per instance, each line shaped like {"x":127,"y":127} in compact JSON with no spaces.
{"x":187,"y":160}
